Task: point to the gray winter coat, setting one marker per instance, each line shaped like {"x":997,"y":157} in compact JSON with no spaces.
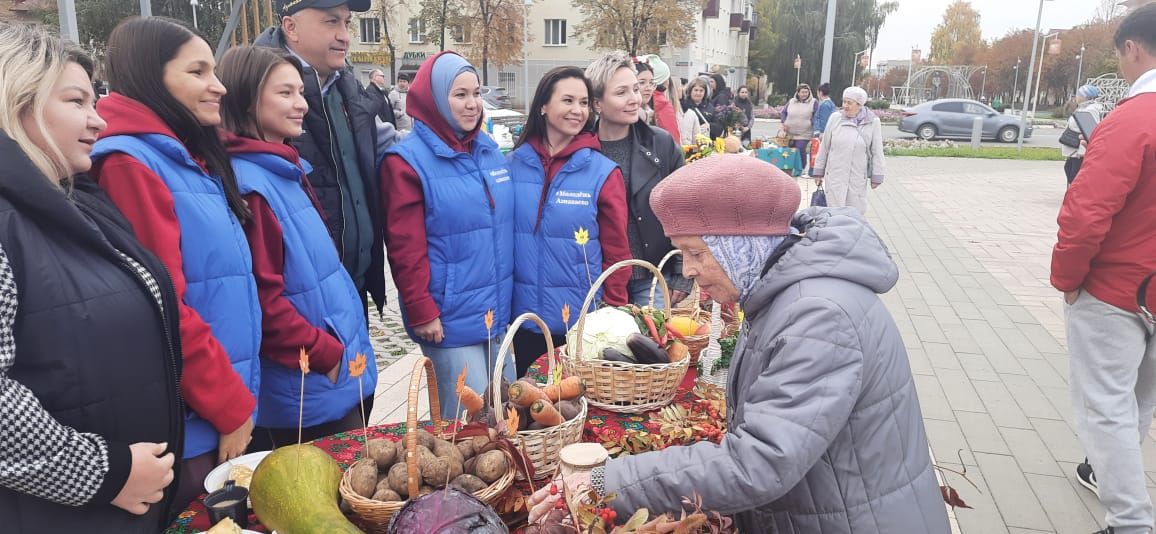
{"x":825,"y":433}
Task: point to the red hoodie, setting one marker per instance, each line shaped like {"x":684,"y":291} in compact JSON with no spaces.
{"x":283,"y":330}
{"x":664,"y":115}
{"x":406,"y":243}
{"x":612,"y":212}
{"x":208,"y":382}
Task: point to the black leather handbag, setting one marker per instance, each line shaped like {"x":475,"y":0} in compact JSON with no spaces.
{"x":1070,"y":138}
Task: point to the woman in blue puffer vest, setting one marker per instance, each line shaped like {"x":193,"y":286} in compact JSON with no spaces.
{"x":449,"y":227}
{"x":562,"y":184}
{"x":162,"y":163}
{"x":308,"y":300}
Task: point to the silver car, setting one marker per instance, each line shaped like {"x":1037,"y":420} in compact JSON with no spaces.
{"x":952,"y":117}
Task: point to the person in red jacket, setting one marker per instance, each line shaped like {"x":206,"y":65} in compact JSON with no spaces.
{"x":561,"y":135}
{"x":1106,"y":248}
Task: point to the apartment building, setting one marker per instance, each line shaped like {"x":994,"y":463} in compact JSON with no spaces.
{"x":722,"y":36}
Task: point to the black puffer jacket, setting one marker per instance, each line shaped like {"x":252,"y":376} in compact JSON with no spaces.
{"x":89,"y":363}
{"x":317,"y":148}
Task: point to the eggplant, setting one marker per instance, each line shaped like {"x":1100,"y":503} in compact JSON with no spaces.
{"x":646,"y":350}
{"x":612,"y":355}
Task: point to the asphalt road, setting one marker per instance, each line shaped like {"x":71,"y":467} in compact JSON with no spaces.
{"x":1041,"y":136}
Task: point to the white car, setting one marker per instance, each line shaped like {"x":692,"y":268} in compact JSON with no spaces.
{"x":506,"y":117}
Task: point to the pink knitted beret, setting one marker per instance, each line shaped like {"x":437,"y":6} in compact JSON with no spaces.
{"x":729,"y":194}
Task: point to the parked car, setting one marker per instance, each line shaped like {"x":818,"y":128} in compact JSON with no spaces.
{"x":503,"y":116}
{"x":952,"y":117}
{"x":496,"y":96}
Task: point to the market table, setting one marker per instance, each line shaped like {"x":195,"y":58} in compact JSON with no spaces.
{"x":601,"y":426}
{"x":788,"y":159}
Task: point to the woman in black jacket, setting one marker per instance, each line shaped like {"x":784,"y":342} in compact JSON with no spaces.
{"x":89,"y":358}
{"x":646,"y":154}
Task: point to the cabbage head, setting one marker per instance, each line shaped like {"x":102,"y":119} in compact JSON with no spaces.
{"x":605,"y":328}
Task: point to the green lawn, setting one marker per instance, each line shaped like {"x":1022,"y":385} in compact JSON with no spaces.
{"x":987,"y":152}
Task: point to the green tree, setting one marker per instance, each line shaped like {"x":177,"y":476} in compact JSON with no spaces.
{"x":955,"y":40}
{"x":488,"y":32}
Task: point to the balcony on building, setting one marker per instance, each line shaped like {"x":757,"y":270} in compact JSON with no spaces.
{"x":736,"y":20}
{"x":710,"y":9}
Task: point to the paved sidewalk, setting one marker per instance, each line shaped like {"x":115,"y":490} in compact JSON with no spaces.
{"x":984,"y":330}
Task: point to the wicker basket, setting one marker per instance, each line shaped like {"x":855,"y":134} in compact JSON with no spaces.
{"x":617,"y":386}
{"x":540,"y":446}
{"x":694,"y":342}
{"x":375,"y":515}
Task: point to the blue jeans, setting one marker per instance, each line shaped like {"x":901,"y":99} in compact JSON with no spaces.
{"x":449,"y":362}
{"x":639,"y":291}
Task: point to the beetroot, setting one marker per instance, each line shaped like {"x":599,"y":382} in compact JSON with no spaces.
{"x":447,"y":511}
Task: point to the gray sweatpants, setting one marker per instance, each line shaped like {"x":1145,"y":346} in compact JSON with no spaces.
{"x":1113,"y":380}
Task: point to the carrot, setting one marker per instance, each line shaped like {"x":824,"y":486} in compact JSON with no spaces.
{"x":471,"y":401}
{"x":545,"y":413}
{"x":569,"y":388}
{"x":524,"y":393}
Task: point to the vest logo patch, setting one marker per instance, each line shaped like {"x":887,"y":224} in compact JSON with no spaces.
{"x":500,"y":176}
{"x":573,"y":198}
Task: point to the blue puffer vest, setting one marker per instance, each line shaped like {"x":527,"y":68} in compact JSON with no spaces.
{"x":552,"y":268}
{"x":469,"y":221}
{"x":321,"y":291}
{"x":218,"y":266}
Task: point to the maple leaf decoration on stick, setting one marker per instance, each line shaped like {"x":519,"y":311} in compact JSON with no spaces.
{"x":303,"y":359}
{"x":459,"y":388}
{"x":512,"y":422}
{"x":582,"y":236}
{"x":356,"y":369}
{"x":489,"y":340}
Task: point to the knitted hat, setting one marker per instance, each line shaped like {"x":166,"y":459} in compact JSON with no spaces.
{"x":1089,"y":92}
{"x":730,"y":194}
{"x":855,"y":94}
{"x":660,"y":68}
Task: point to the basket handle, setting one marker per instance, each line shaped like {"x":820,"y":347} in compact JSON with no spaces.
{"x":581,"y":326}
{"x":695,"y":293}
{"x":496,"y":388}
{"x":425,"y":364}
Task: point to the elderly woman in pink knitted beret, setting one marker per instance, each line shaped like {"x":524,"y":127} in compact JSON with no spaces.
{"x":825,"y":432}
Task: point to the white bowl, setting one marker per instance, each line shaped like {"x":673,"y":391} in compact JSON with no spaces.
{"x":218,"y":476}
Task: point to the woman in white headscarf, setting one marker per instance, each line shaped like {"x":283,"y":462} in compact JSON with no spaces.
{"x":851,"y":153}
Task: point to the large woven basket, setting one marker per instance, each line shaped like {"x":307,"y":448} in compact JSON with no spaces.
{"x":695,"y":343}
{"x":540,"y":446}
{"x":375,"y":515}
{"x":618,"y":386}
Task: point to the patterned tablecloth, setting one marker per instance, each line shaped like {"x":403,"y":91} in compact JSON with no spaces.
{"x":787,"y":159}
{"x":344,"y":446}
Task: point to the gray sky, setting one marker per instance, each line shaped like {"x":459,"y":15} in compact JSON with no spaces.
{"x":912,"y":24}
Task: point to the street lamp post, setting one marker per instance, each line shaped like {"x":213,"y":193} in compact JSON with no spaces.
{"x":1080,"y":68}
{"x":983,"y":85}
{"x":855,"y":65}
{"x":1015,"y":84}
{"x":1031,"y":67}
{"x":798,"y":67}
{"x":194,"y":5}
{"x":1040,"y":74}
{"x":526,"y":54}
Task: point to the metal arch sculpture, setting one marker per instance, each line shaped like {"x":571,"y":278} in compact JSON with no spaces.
{"x":932,"y":82}
{"x":1112,"y":89}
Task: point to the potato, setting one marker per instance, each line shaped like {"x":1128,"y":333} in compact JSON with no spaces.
{"x":466,"y":449}
{"x":399,"y":479}
{"x":491,"y":466}
{"x":480,"y":442}
{"x":363,"y":477}
{"x":445,"y":449}
{"x":569,"y":408}
{"x":425,"y":490}
{"x":386,"y":495}
{"x":469,"y":483}
{"x":470,"y":465}
{"x":383,"y":451}
{"x":425,"y":439}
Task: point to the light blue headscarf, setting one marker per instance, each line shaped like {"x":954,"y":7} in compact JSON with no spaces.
{"x":743,"y":257}
{"x":446,"y":68}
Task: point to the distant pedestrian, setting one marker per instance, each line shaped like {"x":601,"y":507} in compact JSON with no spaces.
{"x":1087,"y":99}
{"x":827,"y":108}
{"x":697,"y":103}
{"x":646,"y":89}
{"x":1105,"y":249}
{"x":720,"y":102}
{"x":665,"y":114}
{"x":377,"y":93}
{"x":397,"y":97}
{"x":688,"y":124}
{"x":851,"y":153}
{"x":797,"y":117}
{"x":743,"y":102}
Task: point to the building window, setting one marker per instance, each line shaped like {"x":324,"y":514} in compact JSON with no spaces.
{"x":509,"y":80}
{"x":416,"y":31}
{"x":461,"y":33}
{"x":662,"y":38}
{"x":555,"y":32}
{"x":371,"y":30}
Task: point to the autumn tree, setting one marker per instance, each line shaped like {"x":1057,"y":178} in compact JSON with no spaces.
{"x":482,"y":30}
{"x":957,"y":40}
{"x":637,"y":25}
{"x":388,"y":9}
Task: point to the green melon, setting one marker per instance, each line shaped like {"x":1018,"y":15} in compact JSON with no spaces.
{"x":294,"y":491}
